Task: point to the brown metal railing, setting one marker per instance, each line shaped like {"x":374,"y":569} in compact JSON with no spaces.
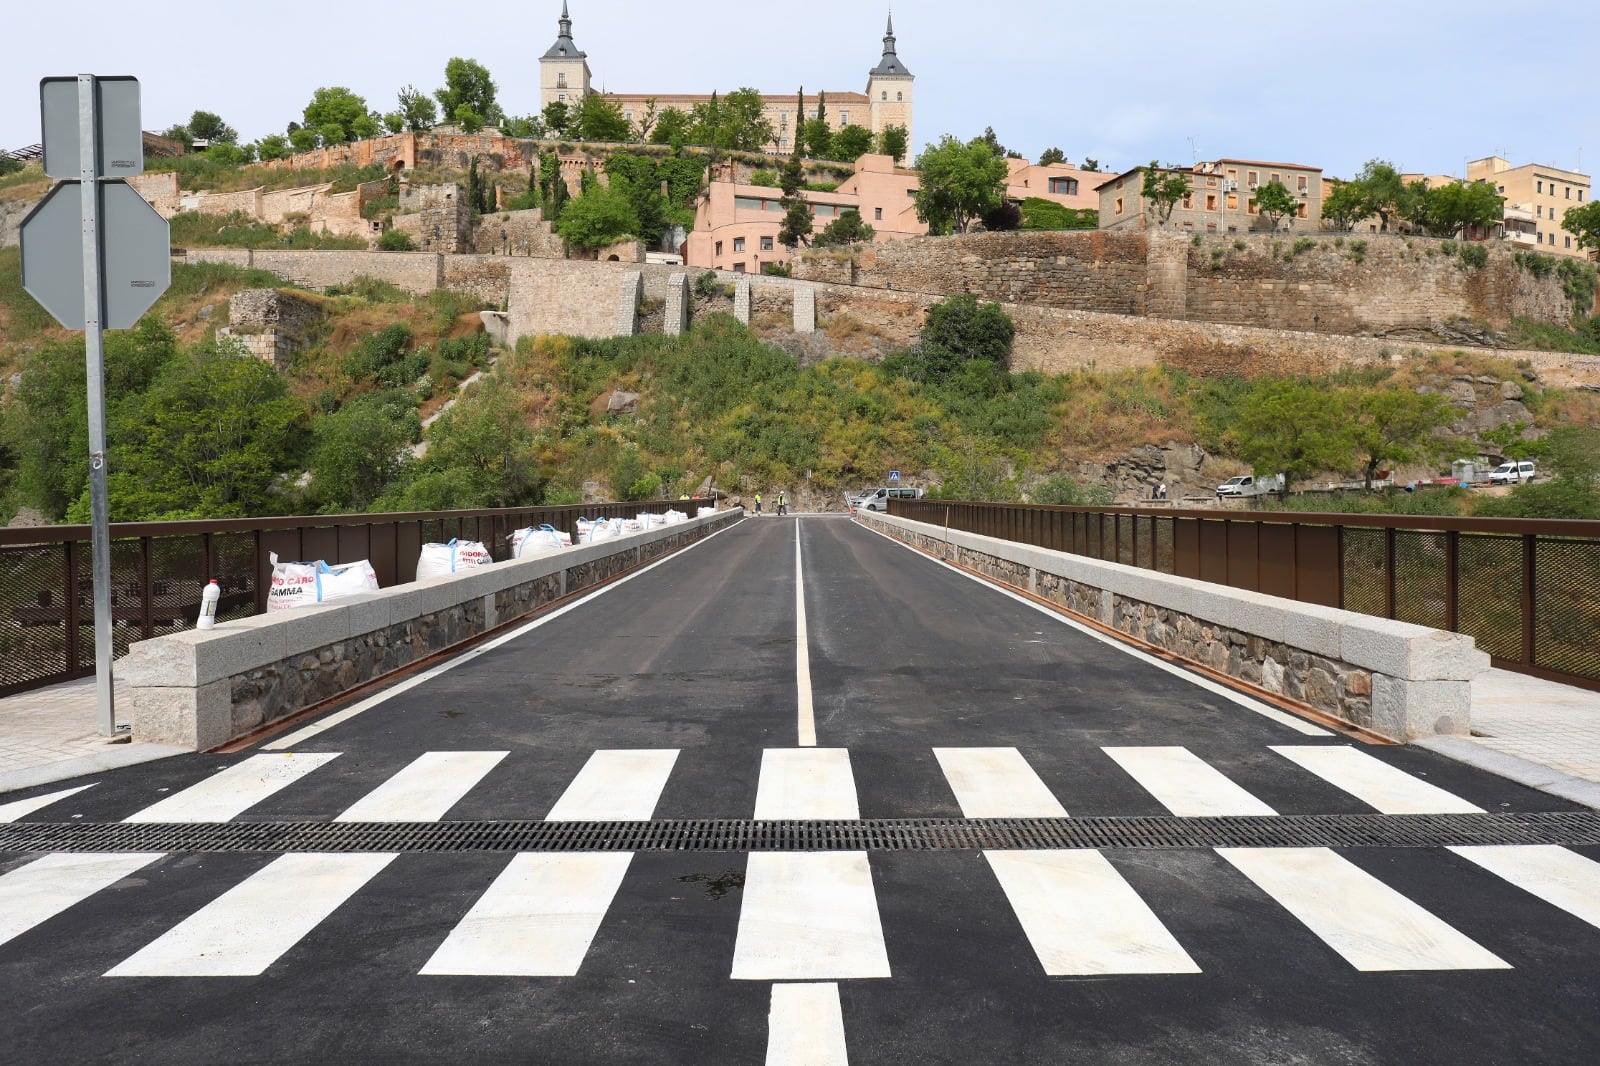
{"x":158,"y":570}
{"x":1527,"y":590}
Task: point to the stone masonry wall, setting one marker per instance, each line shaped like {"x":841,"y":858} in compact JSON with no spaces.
{"x":272,"y":324}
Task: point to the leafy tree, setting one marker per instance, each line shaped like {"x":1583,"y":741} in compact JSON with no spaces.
{"x":960,"y":182}
{"x":1288,"y":427}
{"x":557,"y":117}
{"x":1447,"y":210}
{"x":9,"y":165}
{"x":818,"y":138}
{"x":208,"y":439}
{"x":416,"y":110}
{"x":1382,"y":191}
{"x":525,"y":127}
{"x":848,"y":228}
{"x":1162,"y":190}
{"x":1345,"y":205}
{"x":601,"y":216}
{"x":338,"y":115}
{"x":1584,"y":224}
{"x":1091,"y":165}
{"x":480,"y":454}
{"x":647,"y":121}
{"x":396,"y":240}
{"x":894,"y":142}
{"x":1052,"y":156}
{"x":206,"y":126}
{"x":467,"y":84}
{"x":745,"y":127}
{"x":991,"y":139}
{"x":274,"y":146}
{"x":1274,"y":201}
{"x":852,"y":142}
{"x":673,"y":126}
{"x":303,"y":139}
{"x":1004,"y":218}
{"x":972,"y":330}
{"x":797,"y":218}
{"x":552,"y":186}
{"x":1389,"y":426}
{"x":357,"y":451}
{"x":600,"y":118}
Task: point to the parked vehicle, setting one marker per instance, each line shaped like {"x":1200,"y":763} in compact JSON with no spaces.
{"x":1247,"y":485}
{"x":878,"y":499}
{"x":1512,"y":473}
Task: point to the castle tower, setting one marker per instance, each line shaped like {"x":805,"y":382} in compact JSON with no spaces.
{"x":889,"y":88}
{"x":564,"y":69}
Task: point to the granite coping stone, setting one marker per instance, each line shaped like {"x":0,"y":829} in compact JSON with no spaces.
{"x":196,"y":658}
{"x":1399,"y":649}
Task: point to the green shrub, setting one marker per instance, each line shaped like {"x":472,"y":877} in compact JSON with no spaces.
{"x":1535,"y":263}
{"x":1475,"y":256}
{"x":395,"y":240}
{"x":767,"y":179}
{"x":1304,"y":244}
{"x":1448,"y":247}
{"x":1047,"y":215}
{"x":707,"y":286}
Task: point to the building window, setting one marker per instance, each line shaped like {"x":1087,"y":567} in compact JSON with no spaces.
{"x":1211,"y":183}
{"x":877,"y":214}
{"x":1541,"y":186}
{"x":1255,"y":178}
{"x":1305,"y":211}
{"x":628,"y":114}
{"x":766,"y":244}
{"x":738,"y":268}
{"x":1569,"y":242}
{"x":1233,"y":175}
{"x":886,"y":94}
{"x":719,"y":248}
{"x":1064,"y":186}
{"x":738,"y":244}
{"x":1119,"y":205}
{"x":1211,"y":201}
{"x":900,"y":97}
{"x":1569,"y":192}
{"x":1188,"y":201}
{"x":1305,"y":185}
{"x":783,"y":142}
{"x":1276,"y":177}
{"x":562,"y":97}
{"x":561,"y":81}
{"x":1233,"y":201}
{"x":1250,"y":206}
{"x":1539,"y":210}
{"x":844,"y":118}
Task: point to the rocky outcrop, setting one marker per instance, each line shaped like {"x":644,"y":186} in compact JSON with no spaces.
{"x":1182,"y":467}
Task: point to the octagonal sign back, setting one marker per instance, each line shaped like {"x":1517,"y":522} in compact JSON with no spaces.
{"x":135,"y":243}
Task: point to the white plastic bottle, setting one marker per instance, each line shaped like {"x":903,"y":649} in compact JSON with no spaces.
{"x":208,"y":606}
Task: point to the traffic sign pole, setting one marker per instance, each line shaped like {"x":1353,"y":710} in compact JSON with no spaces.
{"x":89,"y":165}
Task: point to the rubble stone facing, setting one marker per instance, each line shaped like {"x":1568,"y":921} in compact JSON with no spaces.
{"x":203,"y":689}
{"x":1397,"y":680}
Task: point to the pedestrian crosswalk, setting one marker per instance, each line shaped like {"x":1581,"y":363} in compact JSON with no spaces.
{"x":814,"y":918}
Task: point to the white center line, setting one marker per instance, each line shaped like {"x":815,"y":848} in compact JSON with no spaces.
{"x":802,"y":652}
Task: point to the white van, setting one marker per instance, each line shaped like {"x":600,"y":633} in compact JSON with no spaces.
{"x":878,"y":499}
{"x":1512,"y":473}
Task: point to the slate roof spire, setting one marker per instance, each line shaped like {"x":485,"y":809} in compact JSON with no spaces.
{"x":564,"y":48}
{"x":890,"y":63}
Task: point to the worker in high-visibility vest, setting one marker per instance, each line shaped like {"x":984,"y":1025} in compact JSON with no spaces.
{"x":758,"y":503}
{"x":783,"y":503}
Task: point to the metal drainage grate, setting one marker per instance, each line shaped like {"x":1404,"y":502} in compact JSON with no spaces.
{"x":930,"y":834}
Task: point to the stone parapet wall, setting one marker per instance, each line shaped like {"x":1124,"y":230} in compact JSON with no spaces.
{"x":202,"y":689}
{"x":1398,"y":680}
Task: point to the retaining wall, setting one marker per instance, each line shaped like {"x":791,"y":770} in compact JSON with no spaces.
{"x":202,"y":689}
{"x":1399,"y":680}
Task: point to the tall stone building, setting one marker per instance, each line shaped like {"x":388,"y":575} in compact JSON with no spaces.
{"x":564,"y":77}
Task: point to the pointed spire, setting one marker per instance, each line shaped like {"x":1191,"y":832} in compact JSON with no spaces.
{"x":890,"y":64}
{"x":564,"y":48}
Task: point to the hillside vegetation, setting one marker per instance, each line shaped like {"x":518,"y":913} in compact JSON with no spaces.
{"x":199,"y":430}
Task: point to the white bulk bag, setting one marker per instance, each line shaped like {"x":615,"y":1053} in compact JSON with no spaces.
{"x":708,"y":512}
{"x":441,"y":560}
{"x":675,"y":518}
{"x":532,"y":543}
{"x":595,"y":532}
{"x":631,"y":526}
{"x":296,"y":585}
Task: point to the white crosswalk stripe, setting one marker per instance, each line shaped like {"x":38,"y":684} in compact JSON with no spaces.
{"x":1556,"y":875}
{"x":227,"y":794}
{"x":1185,"y":785}
{"x":254,"y":924}
{"x":805,"y":1026}
{"x":997,"y":783}
{"x":37,"y":892}
{"x":1374,"y":927}
{"x":542,"y":913}
{"x":10,"y":812}
{"x":1374,"y":782}
{"x":1083,"y":918}
{"x":806,"y":783}
{"x":425,"y":790}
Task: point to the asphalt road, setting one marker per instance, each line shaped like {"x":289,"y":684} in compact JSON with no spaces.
{"x":682,"y":693}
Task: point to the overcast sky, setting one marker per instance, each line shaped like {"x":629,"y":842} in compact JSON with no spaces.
{"x":1425,"y":85}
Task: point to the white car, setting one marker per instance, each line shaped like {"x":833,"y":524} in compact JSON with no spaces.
{"x":1512,"y":473}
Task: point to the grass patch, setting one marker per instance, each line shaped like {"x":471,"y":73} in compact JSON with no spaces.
{"x":192,"y":229}
{"x":21,"y":317}
{"x":1583,"y":339}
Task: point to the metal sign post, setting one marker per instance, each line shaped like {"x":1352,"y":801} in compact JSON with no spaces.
{"x":95,"y":265}
{"x":95,"y":368}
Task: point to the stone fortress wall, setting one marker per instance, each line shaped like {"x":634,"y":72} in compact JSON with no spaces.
{"x":1069,"y":293}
